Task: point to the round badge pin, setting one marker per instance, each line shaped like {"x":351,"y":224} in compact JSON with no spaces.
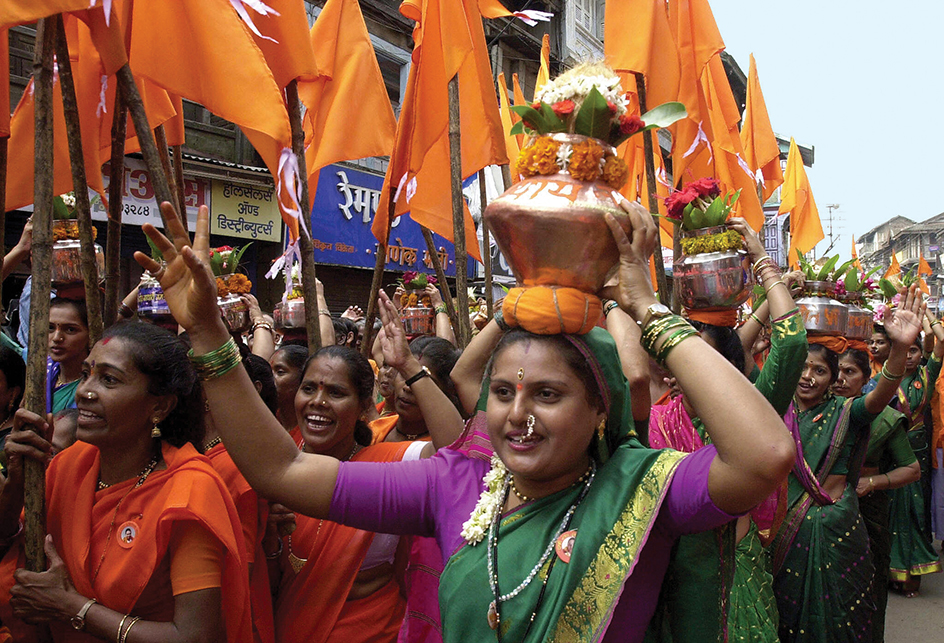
{"x":128,"y":533}
{"x":565,"y":545}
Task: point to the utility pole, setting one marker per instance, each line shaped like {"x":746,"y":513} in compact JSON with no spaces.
{"x":832,"y":238}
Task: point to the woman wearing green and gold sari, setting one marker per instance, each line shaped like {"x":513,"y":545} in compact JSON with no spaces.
{"x":820,"y":556}
{"x":568,"y":535}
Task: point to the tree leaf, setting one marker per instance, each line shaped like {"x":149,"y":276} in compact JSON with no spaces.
{"x":552,"y":121}
{"x":594,"y":117}
{"x":842,"y":270}
{"x":852,"y":281}
{"x":517,"y":128}
{"x":716,"y":213}
{"x":664,"y":115}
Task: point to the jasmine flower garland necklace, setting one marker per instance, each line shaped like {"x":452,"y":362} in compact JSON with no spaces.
{"x":489,"y":503}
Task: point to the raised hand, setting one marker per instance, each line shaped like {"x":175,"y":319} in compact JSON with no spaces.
{"x":393,"y":342}
{"x":754,"y":246}
{"x":187,"y":281}
{"x":634,"y":291}
{"x":903,"y":325}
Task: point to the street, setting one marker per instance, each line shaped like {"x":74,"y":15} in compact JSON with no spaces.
{"x":914,"y":620}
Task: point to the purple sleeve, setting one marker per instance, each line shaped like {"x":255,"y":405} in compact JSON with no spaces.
{"x":687,"y":507}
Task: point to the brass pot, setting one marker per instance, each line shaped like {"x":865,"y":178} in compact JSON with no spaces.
{"x":712,"y":280}
{"x":550,"y":228}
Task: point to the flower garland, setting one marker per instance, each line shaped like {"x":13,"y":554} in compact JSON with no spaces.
{"x":573,"y":89}
{"x":584,"y":161}
{"x":489,"y":504}
{"x":727,"y":240}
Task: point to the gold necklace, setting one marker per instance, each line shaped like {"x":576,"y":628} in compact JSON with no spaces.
{"x":212,"y":443}
{"x":524,"y":498}
{"x":141,"y":478}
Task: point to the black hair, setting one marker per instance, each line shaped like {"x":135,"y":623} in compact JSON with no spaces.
{"x":260,"y":371}
{"x":295,"y":355}
{"x":830,"y":357}
{"x":77,"y":304}
{"x":341,"y":330}
{"x":441,"y":356}
{"x":860,"y":359}
{"x":726,"y":342}
{"x":879,"y":328}
{"x":13,"y":368}
{"x":572,"y":357}
{"x":162,"y":358}
{"x":362,"y":377}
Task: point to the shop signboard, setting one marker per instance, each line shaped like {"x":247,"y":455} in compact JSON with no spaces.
{"x":341,"y":216}
{"x":248,"y":212}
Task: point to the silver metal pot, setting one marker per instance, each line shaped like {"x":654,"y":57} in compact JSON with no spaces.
{"x":289,"y":314}
{"x":417,"y":320}
{"x":235,"y":311}
{"x":67,"y":262}
{"x":859,"y":322}
{"x":713,"y":280}
{"x":822,"y":315}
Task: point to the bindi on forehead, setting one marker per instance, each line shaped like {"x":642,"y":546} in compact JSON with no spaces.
{"x":106,"y":340}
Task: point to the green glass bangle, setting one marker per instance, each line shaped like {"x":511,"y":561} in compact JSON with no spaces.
{"x":656,"y":329}
{"x":891,"y":377}
{"x":217,"y":362}
{"x":677,"y":338}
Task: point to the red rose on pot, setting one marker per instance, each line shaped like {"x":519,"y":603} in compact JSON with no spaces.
{"x":564,"y":107}
{"x":612,"y":106}
{"x":676,"y":202}
{"x":536,"y":105}
{"x":707,"y":187}
{"x":630,"y":124}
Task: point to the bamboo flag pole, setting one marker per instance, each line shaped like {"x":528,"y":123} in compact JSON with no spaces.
{"x":312,"y":314}
{"x":649,"y":151}
{"x":463,"y":330}
{"x":163,"y":151}
{"x":178,"y":158}
{"x":448,"y":299}
{"x":375,"y":284}
{"x":116,"y":186}
{"x":149,"y":149}
{"x":486,"y":248}
{"x":34,"y":397}
{"x":83,"y":208}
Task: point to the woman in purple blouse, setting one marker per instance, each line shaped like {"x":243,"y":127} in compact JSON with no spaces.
{"x":563,"y":532}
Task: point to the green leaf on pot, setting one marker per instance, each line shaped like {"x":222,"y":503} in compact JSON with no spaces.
{"x":517,"y":128}
{"x":840,"y":272}
{"x":871,"y":272}
{"x":531,"y":115}
{"x":59,"y":209}
{"x":552,"y":121}
{"x":236,"y":256}
{"x":716,"y":213}
{"x":593,"y":117}
{"x":827,"y":268}
{"x":888,"y":288}
{"x":852,"y":280}
{"x":664,"y":115}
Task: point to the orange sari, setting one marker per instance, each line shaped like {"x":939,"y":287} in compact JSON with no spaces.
{"x":311,"y":605}
{"x":188,"y":490}
{"x":253,"y":514}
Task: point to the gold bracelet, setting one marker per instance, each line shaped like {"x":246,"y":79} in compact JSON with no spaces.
{"x":936,"y":322}
{"x":760,"y":261}
{"x":217,"y":362}
{"x":121,"y":624}
{"x":124,"y":637}
{"x":756,"y":318}
{"x":891,"y":377}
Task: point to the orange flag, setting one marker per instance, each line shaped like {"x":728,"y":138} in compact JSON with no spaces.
{"x":283,"y":38}
{"x":894,"y":268}
{"x":761,"y":150}
{"x":348,"y":115}
{"x":518,"y":95}
{"x":796,"y":197}
{"x":450,"y":41}
{"x":923,"y":267}
{"x":511,"y":141}
{"x":544,"y":73}
{"x":638,"y":38}
{"x":4,"y":83}
{"x":855,"y":255}
{"x":21,"y":12}
{"x":202,"y":51}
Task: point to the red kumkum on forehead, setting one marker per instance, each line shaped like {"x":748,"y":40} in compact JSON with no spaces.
{"x":105,"y":341}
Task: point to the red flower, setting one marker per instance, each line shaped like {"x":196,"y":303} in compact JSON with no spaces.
{"x":432,"y":279}
{"x":409,"y":276}
{"x":707,"y":187}
{"x":612,"y":106}
{"x":675,"y":203}
{"x":564,"y":107}
{"x":536,"y":105}
{"x":630,"y":124}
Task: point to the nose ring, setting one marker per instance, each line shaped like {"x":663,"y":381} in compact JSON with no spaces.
{"x":90,"y":395}
{"x":530,"y":425}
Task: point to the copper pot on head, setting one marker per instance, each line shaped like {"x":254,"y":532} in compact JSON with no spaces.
{"x":550,"y":228}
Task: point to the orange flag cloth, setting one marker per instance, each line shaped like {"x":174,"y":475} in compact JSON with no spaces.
{"x":894,"y":267}
{"x":21,"y":12}
{"x":4,"y":83}
{"x":449,"y":41}
{"x":544,"y":73}
{"x":761,"y":150}
{"x":855,"y":255}
{"x":284,"y":40}
{"x":348,"y":111}
{"x":796,"y":197}
{"x":508,"y":120}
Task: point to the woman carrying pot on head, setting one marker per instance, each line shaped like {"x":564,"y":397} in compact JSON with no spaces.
{"x":567,"y":471}
{"x":144,"y":542}
{"x":912,"y":554}
{"x":68,"y":348}
{"x":890,"y":463}
{"x":822,"y":570}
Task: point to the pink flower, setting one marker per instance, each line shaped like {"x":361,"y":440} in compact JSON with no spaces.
{"x":676,"y":202}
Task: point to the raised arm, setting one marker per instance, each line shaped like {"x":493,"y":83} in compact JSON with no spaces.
{"x":263,"y":451}
{"x":902,"y":327}
{"x":469,"y":371}
{"x":441,"y":319}
{"x":20,"y":252}
{"x":755,"y":451}
{"x":325,"y":324}
{"x":633,"y":358}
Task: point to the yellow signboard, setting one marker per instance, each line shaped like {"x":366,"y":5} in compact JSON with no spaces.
{"x":247,"y":212}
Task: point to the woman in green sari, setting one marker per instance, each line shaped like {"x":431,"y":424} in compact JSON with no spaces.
{"x":573,"y":519}
{"x":820,"y":556}
{"x":889,"y":463}
{"x":912,"y":555}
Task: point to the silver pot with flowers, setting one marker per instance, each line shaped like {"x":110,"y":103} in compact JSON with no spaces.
{"x":822,"y":314}
{"x":230,"y":286}
{"x":859,"y":320}
{"x":66,"y":247}
{"x":289,"y":314}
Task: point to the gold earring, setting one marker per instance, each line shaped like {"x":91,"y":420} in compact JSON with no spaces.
{"x":156,"y":430}
{"x":601,"y":428}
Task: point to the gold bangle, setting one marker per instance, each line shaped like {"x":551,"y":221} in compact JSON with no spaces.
{"x":756,"y":318}
{"x":124,"y":637}
{"x":677,"y":338}
{"x":936,"y":322}
{"x":761,"y":260}
{"x":891,"y":377}
{"x":121,"y":624}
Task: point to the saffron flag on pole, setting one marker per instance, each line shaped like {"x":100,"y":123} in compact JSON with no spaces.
{"x":450,"y":41}
{"x":21,"y":12}
{"x":761,"y":150}
{"x":518,"y":95}
{"x":894,"y":268}
{"x":280,"y":29}
{"x":4,"y":83}
{"x":348,"y":115}
{"x":855,"y":255}
{"x":544,"y":73}
{"x":796,"y":197}
{"x":923,"y":269}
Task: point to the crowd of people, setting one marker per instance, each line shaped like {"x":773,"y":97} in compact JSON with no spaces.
{"x":658,"y":478}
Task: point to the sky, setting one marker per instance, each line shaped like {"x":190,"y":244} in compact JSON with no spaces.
{"x":861,"y":82}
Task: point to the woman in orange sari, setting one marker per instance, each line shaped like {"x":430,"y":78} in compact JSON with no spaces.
{"x":144,"y":542}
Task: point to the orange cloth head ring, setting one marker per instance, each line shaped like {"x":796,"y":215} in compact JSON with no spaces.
{"x":551,"y":310}
{"x":727,"y":318}
{"x":837,"y":345}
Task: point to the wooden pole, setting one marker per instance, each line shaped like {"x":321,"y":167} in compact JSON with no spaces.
{"x":163,"y":151}
{"x":649,"y":151}
{"x":34,"y":397}
{"x":375,"y":284}
{"x":116,"y":187}
{"x":486,"y":249}
{"x":149,"y":151}
{"x":441,"y":277}
{"x":178,"y":157}
{"x":83,"y":209}
{"x":463,"y":330}
{"x":312,"y":314}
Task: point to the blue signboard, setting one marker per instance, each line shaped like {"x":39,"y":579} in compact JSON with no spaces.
{"x":341,"y":216}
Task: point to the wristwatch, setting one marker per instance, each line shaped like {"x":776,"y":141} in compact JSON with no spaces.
{"x":654,"y":311}
{"x":424,"y":372}
{"x":78,"y":621}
